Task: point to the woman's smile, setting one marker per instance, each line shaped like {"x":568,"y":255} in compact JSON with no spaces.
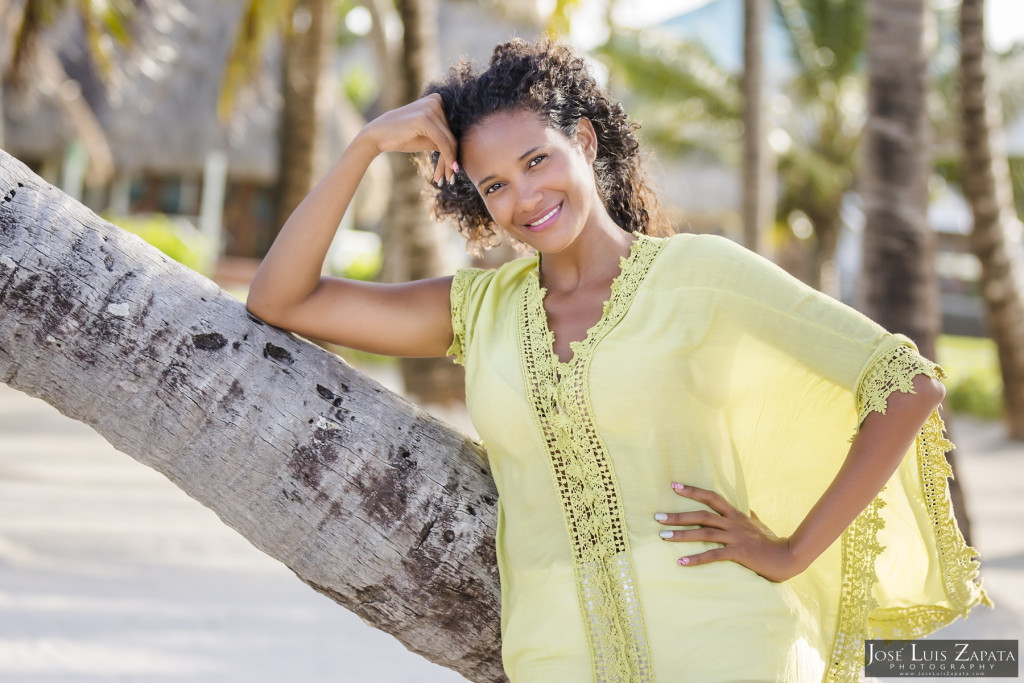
{"x":546,"y":220}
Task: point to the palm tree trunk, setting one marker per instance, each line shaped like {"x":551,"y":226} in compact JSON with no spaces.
{"x":755,"y":208}
{"x":366,"y":498}
{"x":898,"y":284}
{"x":414,"y":244}
{"x":301,"y":65}
{"x":995,"y":237}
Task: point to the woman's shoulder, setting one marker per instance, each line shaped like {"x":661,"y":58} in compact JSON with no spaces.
{"x":704,"y":259}
{"x":501,"y":278}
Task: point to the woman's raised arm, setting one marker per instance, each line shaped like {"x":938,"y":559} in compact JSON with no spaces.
{"x":288,"y":291}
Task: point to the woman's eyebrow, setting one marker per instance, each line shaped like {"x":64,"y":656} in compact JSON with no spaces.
{"x":522,"y":156}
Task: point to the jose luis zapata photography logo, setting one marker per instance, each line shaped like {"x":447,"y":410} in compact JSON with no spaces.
{"x":963,"y":658}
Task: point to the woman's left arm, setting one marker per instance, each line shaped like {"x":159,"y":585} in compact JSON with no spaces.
{"x":874,"y":456}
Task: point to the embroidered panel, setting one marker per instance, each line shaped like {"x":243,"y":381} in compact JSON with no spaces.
{"x":583,"y":475}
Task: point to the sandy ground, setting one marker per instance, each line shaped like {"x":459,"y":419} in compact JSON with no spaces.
{"x":108,"y":572}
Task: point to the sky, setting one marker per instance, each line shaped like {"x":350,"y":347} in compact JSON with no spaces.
{"x":1004,"y":19}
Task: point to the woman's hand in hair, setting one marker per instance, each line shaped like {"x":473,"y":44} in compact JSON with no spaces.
{"x":420,"y":126}
{"x":745,"y":539}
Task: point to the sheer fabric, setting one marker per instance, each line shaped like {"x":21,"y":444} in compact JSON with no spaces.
{"x":710,"y":366}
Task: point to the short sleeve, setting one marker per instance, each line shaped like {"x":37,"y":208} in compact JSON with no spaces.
{"x":892,"y":368}
{"x":461,"y":284}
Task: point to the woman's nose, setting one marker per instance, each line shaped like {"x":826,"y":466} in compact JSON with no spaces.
{"x":529,"y":197}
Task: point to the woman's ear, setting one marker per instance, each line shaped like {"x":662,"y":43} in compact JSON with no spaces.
{"x":586,"y":136}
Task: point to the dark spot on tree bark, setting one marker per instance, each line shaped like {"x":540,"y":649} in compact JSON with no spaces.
{"x":448,"y":536}
{"x":424,"y":533}
{"x":488,"y":500}
{"x":292,"y":495}
{"x":335,"y":511}
{"x":9,"y":196}
{"x":203,"y":298}
{"x":211,"y":341}
{"x":278,"y":354}
{"x":235,"y":391}
{"x":235,"y":345}
{"x":336,"y":402}
{"x":309,"y":462}
{"x":471,"y":510}
{"x":245,"y":336}
{"x":255,"y":320}
{"x":324,"y":392}
{"x":372,"y":594}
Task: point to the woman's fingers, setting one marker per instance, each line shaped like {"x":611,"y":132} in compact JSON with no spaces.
{"x":709,"y":534}
{"x":693,"y":518}
{"x":712,"y":499}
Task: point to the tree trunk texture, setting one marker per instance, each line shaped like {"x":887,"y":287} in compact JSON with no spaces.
{"x":415,"y":244}
{"x":898,"y":285}
{"x":755,"y":209}
{"x":365,"y":497}
{"x":995,"y":237}
{"x":301,"y":67}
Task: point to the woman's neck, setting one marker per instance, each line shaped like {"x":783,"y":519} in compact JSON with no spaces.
{"x":592,"y":257}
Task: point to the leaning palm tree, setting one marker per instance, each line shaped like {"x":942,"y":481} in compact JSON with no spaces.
{"x":995,"y":237}
{"x":368,"y":499}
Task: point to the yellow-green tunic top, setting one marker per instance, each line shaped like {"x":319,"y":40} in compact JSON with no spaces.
{"x":713,"y":367}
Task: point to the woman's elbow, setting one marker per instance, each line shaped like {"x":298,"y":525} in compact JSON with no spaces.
{"x":929,"y":390}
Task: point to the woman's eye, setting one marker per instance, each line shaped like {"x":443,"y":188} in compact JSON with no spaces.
{"x":492,"y":188}
{"x":536,"y":160}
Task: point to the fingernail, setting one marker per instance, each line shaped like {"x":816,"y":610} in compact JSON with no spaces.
{"x":677,"y":486}
{"x":455,"y":166}
{"x":666,"y":534}
{"x":661,"y":516}
{"x":684,"y":560}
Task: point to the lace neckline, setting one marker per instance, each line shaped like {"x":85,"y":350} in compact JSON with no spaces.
{"x":632,"y":270}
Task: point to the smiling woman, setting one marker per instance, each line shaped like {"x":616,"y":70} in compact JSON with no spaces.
{"x":641,"y":396}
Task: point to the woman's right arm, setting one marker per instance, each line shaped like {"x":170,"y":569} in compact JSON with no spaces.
{"x":288,"y":290}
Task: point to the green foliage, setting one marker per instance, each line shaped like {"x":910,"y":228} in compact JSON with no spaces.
{"x":175,"y":238}
{"x":260,"y":19}
{"x":101,"y":19}
{"x":360,"y":86}
{"x":973,"y":381}
{"x":687,"y":103}
{"x":363,"y":266}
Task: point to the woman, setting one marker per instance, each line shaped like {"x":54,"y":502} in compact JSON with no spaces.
{"x":641,"y":397}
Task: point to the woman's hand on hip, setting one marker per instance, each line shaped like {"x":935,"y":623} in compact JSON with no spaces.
{"x":745,"y":539}
{"x":419,"y":126}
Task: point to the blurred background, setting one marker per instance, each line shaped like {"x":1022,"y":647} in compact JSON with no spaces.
{"x":874,"y":151}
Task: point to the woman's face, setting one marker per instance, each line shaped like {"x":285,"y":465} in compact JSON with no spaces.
{"x":537,"y":184}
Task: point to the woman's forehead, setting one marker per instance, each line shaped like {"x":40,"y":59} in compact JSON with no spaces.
{"x":506,"y":135}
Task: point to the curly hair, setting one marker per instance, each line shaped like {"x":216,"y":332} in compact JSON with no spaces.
{"x":547,"y":78}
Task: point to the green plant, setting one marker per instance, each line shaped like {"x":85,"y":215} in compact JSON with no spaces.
{"x":973,"y":381}
{"x":175,"y":237}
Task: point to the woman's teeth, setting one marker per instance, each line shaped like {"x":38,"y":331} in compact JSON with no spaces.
{"x":538,"y":222}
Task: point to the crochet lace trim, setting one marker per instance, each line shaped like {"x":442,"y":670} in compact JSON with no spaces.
{"x":460,"y":291}
{"x":583,"y":475}
{"x":859,"y":617}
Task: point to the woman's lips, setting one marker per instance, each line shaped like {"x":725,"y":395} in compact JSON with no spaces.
{"x":549,"y":218}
